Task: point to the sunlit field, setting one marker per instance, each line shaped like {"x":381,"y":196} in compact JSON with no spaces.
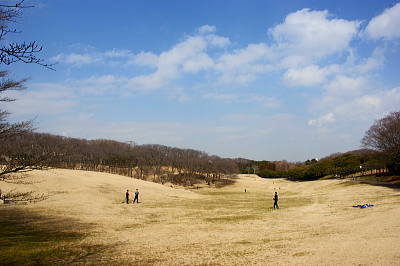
{"x":84,"y":220}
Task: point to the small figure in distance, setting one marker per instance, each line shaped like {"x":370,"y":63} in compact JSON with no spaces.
{"x":245,"y":190}
{"x":136,"y":196}
{"x":276,"y":200}
{"x":127,"y":196}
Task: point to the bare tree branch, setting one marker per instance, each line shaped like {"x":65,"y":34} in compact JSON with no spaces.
{"x":384,"y":134}
{"x":25,"y":52}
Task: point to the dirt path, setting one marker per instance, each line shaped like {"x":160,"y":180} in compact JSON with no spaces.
{"x":316,"y":223}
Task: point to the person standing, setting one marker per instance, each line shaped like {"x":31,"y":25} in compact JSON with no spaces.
{"x":127,"y":196}
{"x":136,"y":196}
{"x":276,"y":200}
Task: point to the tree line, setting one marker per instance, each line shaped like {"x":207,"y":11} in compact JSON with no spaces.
{"x":158,"y":163}
{"x":335,"y":165}
{"x":381,"y":154}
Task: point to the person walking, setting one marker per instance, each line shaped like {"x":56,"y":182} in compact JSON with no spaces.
{"x":127,"y":196}
{"x":136,"y":196}
{"x":276,"y":200}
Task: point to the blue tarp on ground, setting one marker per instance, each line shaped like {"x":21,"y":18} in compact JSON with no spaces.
{"x":363,"y":206}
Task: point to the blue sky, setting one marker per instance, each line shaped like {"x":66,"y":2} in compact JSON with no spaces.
{"x":257,"y":79}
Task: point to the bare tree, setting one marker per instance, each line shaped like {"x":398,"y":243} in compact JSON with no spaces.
{"x":384,"y":134}
{"x":8,"y":129}
{"x":12,"y":52}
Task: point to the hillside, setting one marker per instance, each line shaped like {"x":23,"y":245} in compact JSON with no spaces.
{"x":316,"y":223}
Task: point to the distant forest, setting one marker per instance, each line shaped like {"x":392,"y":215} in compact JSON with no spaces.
{"x":381,"y":155}
{"x":162,"y":164}
{"x":24,"y":150}
{"x":156,"y":163}
{"x":337,"y":165}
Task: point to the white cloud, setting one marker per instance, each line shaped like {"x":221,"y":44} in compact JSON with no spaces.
{"x":117,"y":53}
{"x":170,"y":63}
{"x":385,"y":25}
{"x":218,"y":41}
{"x":145,"y":58}
{"x":101,"y":80}
{"x":49,"y":100}
{"x":100,"y":85}
{"x":75,"y":59}
{"x":153,"y":81}
{"x":252,"y":53}
{"x":293,"y":61}
{"x":370,"y":100}
{"x":366,"y":107}
{"x":313,"y":34}
{"x":303,"y":37}
{"x":197,"y":63}
{"x":188,"y":56}
{"x":307,"y":76}
{"x":371,"y":63}
{"x":268,"y":102}
{"x":344,"y":86}
{"x":322,"y":120}
{"x":245,"y":64}
{"x":207,"y":29}
{"x":226,"y":97}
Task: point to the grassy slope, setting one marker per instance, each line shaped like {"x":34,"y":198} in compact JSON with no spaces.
{"x":207,"y":226}
{"x":29,"y":239}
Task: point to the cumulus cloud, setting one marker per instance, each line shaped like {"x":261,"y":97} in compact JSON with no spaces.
{"x":303,"y":39}
{"x":183,"y":56}
{"x":365,"y":107}
{"x":188,"y":56}
{"x":307,"y":76}
{"x":371,"y":63}
{"x":218,"y":41}
{"x":207,"y":29}
{"x":145,"y":59}
{"x":198,"y":62}
{"x":385,"y":25}
{"x":297,"y":53}
{"x":243,"y":65}
{"x":297,"y":43}
{"x":313,"y":33}
{"x":344,"y":86}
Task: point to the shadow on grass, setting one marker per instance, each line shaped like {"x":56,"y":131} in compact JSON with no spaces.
{"x":388,"y":181}
{"x":231,"y":218}
{"x":30,"y":239}
{"x":392,"y":186}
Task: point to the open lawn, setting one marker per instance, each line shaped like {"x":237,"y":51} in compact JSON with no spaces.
{"x":84,"y":220}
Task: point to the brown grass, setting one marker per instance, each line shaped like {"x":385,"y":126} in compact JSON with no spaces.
{"x":316,"y":223}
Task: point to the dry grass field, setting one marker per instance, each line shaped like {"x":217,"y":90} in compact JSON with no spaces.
{"x":315,"y":225}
